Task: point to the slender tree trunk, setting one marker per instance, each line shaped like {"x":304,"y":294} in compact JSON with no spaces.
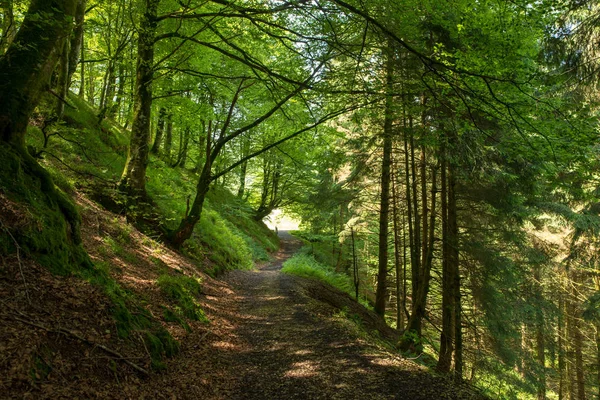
{"x":203,"y":149}
{"x":76,"y":42}
{"x":63,"y":80}
{"x":184,"y":150}
{"x":244,"y":150}
{"x":82,"y":72}
{"x":416,"y":267}
{"x":579,"y":368}
{"x":540,"y":342}
{"x":447,"y":335}
{"x":356,"y":277}
{"x":561,"y":333}
{"x":116,"y":109}
{"x":409,"y":210}
{"x":380,"y":295}
{"x":133,"y":180}
{"x":160,"y":128}
{"x":453,"y":259}
{"x":169,"y":137}
{"x":397,"y":259}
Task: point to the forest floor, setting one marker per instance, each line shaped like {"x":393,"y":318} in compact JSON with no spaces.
{"x":270,"y":336}
{"x":290,"y":345}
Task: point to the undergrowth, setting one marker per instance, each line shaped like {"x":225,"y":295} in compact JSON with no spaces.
{"x":304,"y":264}
{"x":183,"y":290}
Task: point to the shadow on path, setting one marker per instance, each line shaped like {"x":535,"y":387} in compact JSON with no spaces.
{"x":294,"y":347}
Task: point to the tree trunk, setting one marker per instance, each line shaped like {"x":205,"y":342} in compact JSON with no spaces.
{"x":540,"y":343}
{"x":244,"y":150}
{"x":133,"y":180}
{"x":561,"y":333}
{"x":399,"y":267}
{"x":447,"y":335}
{"x":160,"y":128}
{"x":116,"y":109}
{"x":453,"y":259}
{"x":25,"y":70}
{"x":82,"y":77}
{"x":169,"y":137}
{"x":9,"y":27}
{"x":184,"y":148}
{"x":416,"y":268}
{"x":187,"y":224}
{"x":76,"y":42}
{"x":63,"y":80}
{"x":380,"y":295}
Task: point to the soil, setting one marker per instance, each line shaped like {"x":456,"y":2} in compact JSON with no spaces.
{"x":292,"y":345}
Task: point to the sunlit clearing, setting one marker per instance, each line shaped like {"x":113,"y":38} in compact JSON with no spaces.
{"x":277,"y":219}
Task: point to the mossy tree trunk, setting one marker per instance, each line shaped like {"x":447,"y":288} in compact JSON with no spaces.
{"x":9,"y":28}
{"x":75,"y":50}
{"x":25,"y":71}
{"x":133,"y":180}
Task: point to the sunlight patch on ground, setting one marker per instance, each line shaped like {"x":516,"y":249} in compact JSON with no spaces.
{"x":283,"y":222}
{"x":302,"y":369}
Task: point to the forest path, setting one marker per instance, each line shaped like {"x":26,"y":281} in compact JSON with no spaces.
{"x":288,"y":348}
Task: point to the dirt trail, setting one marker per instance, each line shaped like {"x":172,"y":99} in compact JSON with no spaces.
{"x":293,"y":347}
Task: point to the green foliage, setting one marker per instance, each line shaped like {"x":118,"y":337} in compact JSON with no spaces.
{"x":183,"y":290}
{"x":305,"y":265}
{"x":592,"y":307}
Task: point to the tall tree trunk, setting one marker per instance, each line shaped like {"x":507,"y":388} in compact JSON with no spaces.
{"x":540,"y":342}
{"x":76,"y":42}
{"x":579,"y":368}
{"x":184,"y":147}
{"x":416,"y":268}
{"x":244,"y":151}
{"x":63,"y":80}
{"x":160,"y":128}
{"x":25,"y":70}
{"x":380,"y":295}
{"x":409,"y":209}
{"x":82,"y":71}
{"x":203,"y":145}
{"x":447,"y":335}
{"x":453,"y":259}
{"x":561,"y":333}
{"x":116,"y":109}
{"x":399,"y":267}
{"x":169,"y":137}
{"x":133,"y":180}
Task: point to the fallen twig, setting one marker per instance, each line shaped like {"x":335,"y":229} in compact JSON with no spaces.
{"x":81,"y":338}
{"x":18,"y":261}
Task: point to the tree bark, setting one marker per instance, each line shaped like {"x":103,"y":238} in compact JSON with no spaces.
{"x":9,"y":27}
{"x":453,"y":259}
{"x":25,"y":70}
{"x":160,"y":128}
{"x":380,"y":295}
{"x":399,"y":267}
{"x":62,"y":86}
{"x":447,"y":335}
{"x":76,"y":42}
{"x":133,"y":180}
